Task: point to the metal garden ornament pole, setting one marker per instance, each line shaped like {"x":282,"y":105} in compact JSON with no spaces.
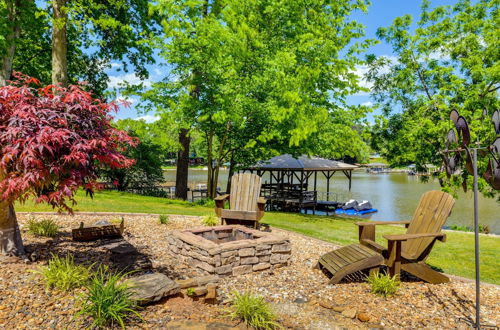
{"x":459,"y":142}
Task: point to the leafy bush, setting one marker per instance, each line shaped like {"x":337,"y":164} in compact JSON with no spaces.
{"x":190,"y":292}
{"x":383,"y":284}
{"x":205,"y":202}
{"x":163,"y":219}
{"x":44,"y":227}
{"x":253,"y":310}
{"x":63,"y":273}
{"x":210,"y":220}
{"x":482,"y":228}
{"x":108,"y":300}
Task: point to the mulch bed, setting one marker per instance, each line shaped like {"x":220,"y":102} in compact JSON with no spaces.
{"x":300,"y":295}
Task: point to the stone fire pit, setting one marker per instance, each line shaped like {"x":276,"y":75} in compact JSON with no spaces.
{"x":230,"y":250}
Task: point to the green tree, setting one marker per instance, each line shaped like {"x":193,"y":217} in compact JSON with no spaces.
{"x":257,"y":78}
{"x":15,"y":16}
{"x":451,"y":60}
{"x":117,"y":29}
{"x":149,"y":156}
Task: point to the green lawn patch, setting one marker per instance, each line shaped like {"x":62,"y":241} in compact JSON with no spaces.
{"x":456,"y":256}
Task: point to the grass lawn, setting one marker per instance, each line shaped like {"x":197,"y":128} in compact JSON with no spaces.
{"x":456,"y":256}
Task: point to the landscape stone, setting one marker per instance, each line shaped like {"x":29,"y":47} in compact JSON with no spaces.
{"x":247,"y":252}
{"x":261,"y":266}
{"x":244,"y":269}
{"x":249,"y":261}
{"x":349,"y":313}
{"x":152,"y":287}
{"x":363,"y":317}
{"x":281,"y":248}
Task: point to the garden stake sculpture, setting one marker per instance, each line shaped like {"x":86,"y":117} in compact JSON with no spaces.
{"x":456,"y":145}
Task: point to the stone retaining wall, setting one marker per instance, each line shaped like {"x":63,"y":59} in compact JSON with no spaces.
{"x":263,"y":251}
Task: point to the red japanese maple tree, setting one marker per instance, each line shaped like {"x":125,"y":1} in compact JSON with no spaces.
{"x":53,"y":140}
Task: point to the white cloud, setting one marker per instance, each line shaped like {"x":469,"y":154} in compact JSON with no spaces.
{"x":439,"y":56}
{"x":115,"y":65}
{"x":148,"y":118}
{"x":367,"y":104}
{"x":131,"y":78}
{"x":362,"y":70}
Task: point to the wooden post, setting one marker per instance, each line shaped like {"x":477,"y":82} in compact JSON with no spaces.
{"x":328,"y":185}
{"x":394,"y":261}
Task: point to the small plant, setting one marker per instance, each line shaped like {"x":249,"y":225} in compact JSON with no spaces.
{"x":190,"y":292}
{"x":44,"y":227}
{"x":383,"y":284}
{"x":116,"y":221}
{"x":63,"y":273}
{"x":108,"y":300}
{"x":482,"y":228}
{"x":254,"y":310}
{"x":210,"y":220}
{"x":163,"y":219}
{"x":205,"y":202}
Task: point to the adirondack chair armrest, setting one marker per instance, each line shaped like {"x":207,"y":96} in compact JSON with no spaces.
{"x":222,"y":198}
{"x":219,"y":203}
{"x":405,"y":237}
{"x":373,"y":223}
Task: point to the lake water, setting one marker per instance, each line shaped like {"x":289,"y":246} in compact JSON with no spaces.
{"x":395,"y":195}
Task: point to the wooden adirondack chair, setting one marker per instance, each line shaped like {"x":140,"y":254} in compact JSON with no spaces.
{"x":407,"y":251}
{"x":245,"y":205}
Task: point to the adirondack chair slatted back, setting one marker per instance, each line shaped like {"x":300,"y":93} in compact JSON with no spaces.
{"x":429,"y":217}
{"x":245,"y":191}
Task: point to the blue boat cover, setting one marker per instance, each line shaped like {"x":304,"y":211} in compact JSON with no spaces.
{"x":354,"y":212}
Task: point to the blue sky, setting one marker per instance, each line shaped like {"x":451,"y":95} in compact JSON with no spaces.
{"x":380,"y":14}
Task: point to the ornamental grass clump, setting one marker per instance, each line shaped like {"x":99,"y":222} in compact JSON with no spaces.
{"x":44,"y":227}
{"x":63,"y":273}
{"x":383,"y":284}
{"x":210,"y":221}
{"x":163,"y":219}
{"x":108,"y":300}
{"x":254,"y":310}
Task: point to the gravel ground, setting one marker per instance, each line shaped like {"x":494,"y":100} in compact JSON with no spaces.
{"x":300,"y":295}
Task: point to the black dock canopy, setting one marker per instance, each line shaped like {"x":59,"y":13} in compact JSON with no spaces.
{"x":286,"y":169}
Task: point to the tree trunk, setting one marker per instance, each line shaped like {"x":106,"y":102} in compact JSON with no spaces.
{"x":210,"y":179}
{"x":230,"y":174}
{"x":14,"y":29}
{"x":181,"y":176}
{"x":59,"y":43}
{"x":10,"y":235}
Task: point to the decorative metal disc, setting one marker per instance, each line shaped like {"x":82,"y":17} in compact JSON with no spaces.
{"x":492,"y":175}
{"x":463,"y":130}
{"x":495,"y":119}
{"x":495,"y":150}
{"x":452,"y":137}
{"x":468,"y":162}
{"x":454,"y":116}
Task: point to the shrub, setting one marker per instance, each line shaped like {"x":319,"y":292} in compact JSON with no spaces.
{"x":253,"y":310}
{"x":63,"y":273}
{"x":190,"y":292}
{"x":205,"y":202}
{"x":482,"y":228}
{"x":163,"y":219}
{"x":383,"y":284}
{"x":44,"y":227}
{"x":210,"y":220}
{"x":108,"y":300}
